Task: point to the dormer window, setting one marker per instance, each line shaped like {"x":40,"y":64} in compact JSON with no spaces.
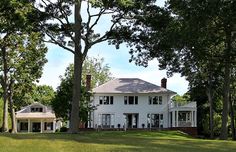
{"x":36,"y":109}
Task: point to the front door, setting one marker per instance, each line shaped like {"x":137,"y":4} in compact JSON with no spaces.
{"x":132,"y":120}
{"x":36,"y":127}
{"x":106,"y":120}
{"x":156,"y":120}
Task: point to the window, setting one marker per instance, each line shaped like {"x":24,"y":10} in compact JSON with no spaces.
{"x":136,"y":100}
{"x":48,"y":126}
{"x":156,"y":100}
{"x":150,"y":100}
{"x":36,"y":109}
{"x":107,"y":120}
{"x":106,"y":100}
{"x":130,"y":100}
{"x":100,"y":99}
{"x":125,"y":100}
{"x":111,"y":99}
{"x":160,"y":100}
{"x":24,"y":126}
{"x":155,"y":120}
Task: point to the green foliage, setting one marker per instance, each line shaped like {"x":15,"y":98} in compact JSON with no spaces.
{"x":181,"y":99}
{"x":217,"y":124}
{"x":25,"y":57}
{"x":44,"y":94}
{"x":99,"y":71}
{"x":35,"y":93}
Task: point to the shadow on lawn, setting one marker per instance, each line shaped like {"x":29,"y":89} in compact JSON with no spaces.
{"x":135,"y":141}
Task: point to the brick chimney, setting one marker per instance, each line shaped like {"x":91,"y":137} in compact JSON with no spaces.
{"x":163,"y":82}
{"x":88,"y":82}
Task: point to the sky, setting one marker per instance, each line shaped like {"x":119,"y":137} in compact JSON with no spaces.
{"x":117,"y":60}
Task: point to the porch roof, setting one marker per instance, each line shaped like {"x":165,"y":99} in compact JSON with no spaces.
{"x":35,"y":115}
{"x":187,"y":107}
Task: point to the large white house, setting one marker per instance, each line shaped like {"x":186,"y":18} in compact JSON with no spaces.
{"x":36,"y":118}
{"x":135,"y":103}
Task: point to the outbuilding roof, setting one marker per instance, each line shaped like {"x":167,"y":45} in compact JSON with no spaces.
{"x":130,"y":85}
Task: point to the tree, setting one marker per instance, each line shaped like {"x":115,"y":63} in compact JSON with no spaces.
{"x":99,"y":71}
{"x":13,"y":18}
{"x":193,"y":39}
{"x":62,"y":103}
{"x":22,"y":57}
{"x":79,"y":35}
{"x":35,"y":93}
{"x":181,"y":99}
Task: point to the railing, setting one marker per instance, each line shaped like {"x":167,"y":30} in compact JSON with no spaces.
{"x":175,"y":105}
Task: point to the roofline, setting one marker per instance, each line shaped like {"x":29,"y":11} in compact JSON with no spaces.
{"x":167,"y":92}
{"x":35,"y":117}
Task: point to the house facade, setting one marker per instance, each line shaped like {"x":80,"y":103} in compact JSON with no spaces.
{"x":36,"y":118}
{"x":134,"y":103}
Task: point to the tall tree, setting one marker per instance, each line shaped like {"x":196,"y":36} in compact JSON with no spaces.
{"x":194,"y":36}
{"x":78,"y":35}
{"x":14,"y":17}
{"x":22,"y":57}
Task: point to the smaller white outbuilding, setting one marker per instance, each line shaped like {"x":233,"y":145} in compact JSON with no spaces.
{"x":36,"y":118}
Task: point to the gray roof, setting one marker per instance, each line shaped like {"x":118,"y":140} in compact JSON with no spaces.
{"x":130,"y":85}
{"x":25,"y":112}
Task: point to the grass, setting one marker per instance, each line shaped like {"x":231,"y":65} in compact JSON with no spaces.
{"x":138,"y":141}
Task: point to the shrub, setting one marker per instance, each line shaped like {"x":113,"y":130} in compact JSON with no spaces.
{"x":63,"y":129}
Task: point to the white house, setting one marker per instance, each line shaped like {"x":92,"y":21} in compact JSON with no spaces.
{"x":135,"y":103}
{"x":36,"y":118}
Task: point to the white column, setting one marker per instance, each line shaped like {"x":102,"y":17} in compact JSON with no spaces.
{"x":192,"y":119}
{"x":173,"y":118}
{"x":41,"y":126}
{"x":195,"y":118}
{"x":54,"y":125}
{"x":177,"y":118}
{"x":28,"y":125}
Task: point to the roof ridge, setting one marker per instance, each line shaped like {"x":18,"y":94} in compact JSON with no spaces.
{"x":130,"y":85}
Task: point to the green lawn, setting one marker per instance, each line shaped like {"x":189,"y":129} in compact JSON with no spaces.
{"x":164,"y":141}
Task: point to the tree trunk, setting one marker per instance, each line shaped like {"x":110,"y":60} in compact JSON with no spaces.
{"x":78,"y":61}
{"x":209,"y":95}
{"x":5,"y":113}
{"x":5,"y":93}
{"x":225,"y":112}
{"x":12,"y":110}
{"x":232,"y":117}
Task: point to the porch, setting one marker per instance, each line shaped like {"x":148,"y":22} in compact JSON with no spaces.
{"x":183,"y":115}
{"x":36,"y":125}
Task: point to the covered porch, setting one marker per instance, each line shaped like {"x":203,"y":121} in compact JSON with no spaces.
{"x":183,"y":116}
{"x":36,"y":125}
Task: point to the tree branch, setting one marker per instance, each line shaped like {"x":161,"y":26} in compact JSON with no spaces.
{"x":54,"y":41}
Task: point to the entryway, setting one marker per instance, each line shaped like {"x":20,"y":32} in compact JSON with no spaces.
{"x":36,"y":127}
{"x":131,"y":120}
